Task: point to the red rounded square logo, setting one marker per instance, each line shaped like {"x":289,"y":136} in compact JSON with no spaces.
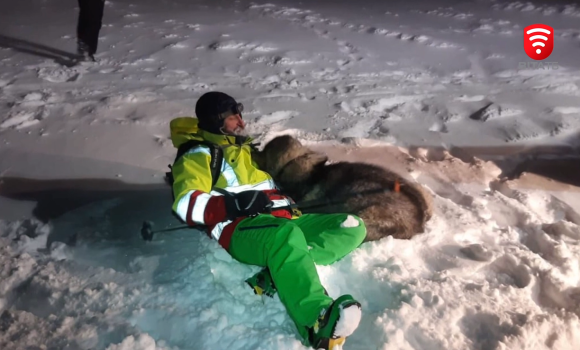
{"x":538,"y":41}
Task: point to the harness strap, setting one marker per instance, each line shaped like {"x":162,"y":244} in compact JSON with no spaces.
{"x":216,"y":154}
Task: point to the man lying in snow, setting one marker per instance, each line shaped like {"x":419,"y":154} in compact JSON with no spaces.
{"x":241,"y":207}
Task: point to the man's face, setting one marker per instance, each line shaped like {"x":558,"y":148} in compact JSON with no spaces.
{"x":233,"y":125}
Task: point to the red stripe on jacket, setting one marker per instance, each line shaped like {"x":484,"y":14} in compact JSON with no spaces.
{"x":215,"y":212}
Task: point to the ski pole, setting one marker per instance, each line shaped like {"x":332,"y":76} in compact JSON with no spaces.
{"x":321,"y":203}
{"x":147,"y":231}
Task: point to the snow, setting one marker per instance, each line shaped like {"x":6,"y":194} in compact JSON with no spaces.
{"x":431,"y":89}
{"x":348,"y":320}
{"x":350,"y":222}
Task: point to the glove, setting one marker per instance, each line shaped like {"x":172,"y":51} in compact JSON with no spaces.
{"x":247,"y":203}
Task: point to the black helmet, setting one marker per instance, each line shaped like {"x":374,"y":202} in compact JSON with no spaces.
{"x":213,"y":107}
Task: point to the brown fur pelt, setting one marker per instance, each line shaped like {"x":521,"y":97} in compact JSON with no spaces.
{"x":362,"y":189}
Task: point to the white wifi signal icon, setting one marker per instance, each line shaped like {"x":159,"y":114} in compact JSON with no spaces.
{"x":538,"y":37}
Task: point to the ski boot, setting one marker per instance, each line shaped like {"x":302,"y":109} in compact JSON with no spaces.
{"x":262,"y":283}
{"x":335,"y":323}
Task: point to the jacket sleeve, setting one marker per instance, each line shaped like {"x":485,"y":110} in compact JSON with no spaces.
{"x":191,"y":188}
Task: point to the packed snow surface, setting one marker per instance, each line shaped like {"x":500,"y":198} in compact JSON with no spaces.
{"x":418,"y":87}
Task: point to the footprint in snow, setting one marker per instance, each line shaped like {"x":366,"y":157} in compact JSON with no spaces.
{"x":276,"y":117}
{"x":509,"y":272}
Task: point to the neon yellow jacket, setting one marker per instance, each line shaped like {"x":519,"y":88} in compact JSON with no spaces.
{"x":195,"y":202}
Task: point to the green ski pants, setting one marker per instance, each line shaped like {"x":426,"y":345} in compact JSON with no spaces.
{"x":290,"y":249}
